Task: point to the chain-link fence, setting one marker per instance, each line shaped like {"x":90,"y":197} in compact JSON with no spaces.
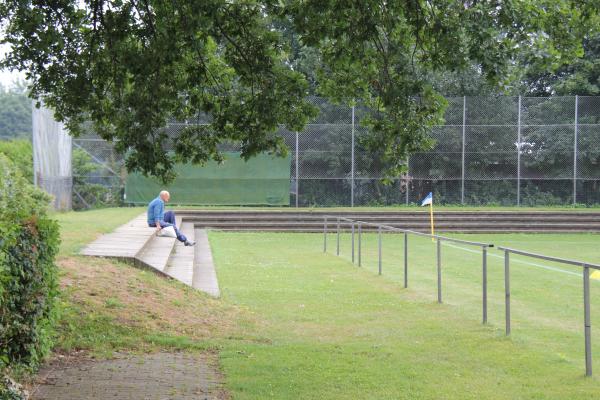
{"x":491,"y":151}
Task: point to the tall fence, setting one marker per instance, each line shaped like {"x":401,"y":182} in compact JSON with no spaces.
{"x":491,"y":151}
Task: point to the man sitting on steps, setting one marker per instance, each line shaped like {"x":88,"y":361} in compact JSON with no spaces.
{"x":157,"y":217}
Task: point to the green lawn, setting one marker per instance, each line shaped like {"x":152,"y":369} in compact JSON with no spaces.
{"x":336,"y":331}
{"x":79,"y":228}
{"x":296,"y":323}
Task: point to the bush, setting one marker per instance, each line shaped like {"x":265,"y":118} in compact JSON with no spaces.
{"x":20,"y":152}
{"x":29,"y":242}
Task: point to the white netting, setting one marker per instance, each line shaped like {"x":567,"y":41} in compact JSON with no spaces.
{"x":52,"y":157}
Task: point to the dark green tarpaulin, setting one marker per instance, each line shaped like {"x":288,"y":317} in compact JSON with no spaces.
{"x":262,"y":180}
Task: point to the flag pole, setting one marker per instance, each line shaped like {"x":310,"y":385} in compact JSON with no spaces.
{"x":431,"y":219}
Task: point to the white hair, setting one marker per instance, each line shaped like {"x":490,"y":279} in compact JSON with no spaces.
{"x":163,"y":193}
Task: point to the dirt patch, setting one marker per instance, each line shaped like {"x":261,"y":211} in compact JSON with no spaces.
{"x":144,"y":300}
{"x":146,"y":377}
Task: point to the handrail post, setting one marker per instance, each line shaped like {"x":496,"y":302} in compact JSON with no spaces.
{"x":337,"y":251}
{"x":484,"y":284}
{"x":507,"y":290}
{"x":379,"y":240}
{"x":439,"y":270}
{"x":325,"y":235}
{"x":352,"y":242}
{"x":359,"y":244}
{"x":405,"y":260}
{"x":587,"y":318}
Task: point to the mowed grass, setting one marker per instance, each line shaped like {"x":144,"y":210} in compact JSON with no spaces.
{"x":546,"y":297}
{"x":337,"y":331}
{"x":80,"y":228}
{"x":108,"y":307}
{"x":295,"y":323}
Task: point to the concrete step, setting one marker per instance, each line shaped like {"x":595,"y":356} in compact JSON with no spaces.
{"x":448,"y":221}
{"x":473,"y":230}
{"x":276,"y":218}
{"x":413,"y":225}
{"x":205,"y":276}
{"x":123,"y":243}
{"x":157,"y":251}
{"x":324,"y":212}
{"x":180,"y":265}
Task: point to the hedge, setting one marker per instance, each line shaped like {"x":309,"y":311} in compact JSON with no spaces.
{"x":29,"y":242}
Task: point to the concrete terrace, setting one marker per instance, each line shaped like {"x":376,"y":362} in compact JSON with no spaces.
{"x":136,"y":243}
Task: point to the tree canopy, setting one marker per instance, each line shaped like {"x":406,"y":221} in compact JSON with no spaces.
{"x":129,"y":66}
{"x":15,"y":112}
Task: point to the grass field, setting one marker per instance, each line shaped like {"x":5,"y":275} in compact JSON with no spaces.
{"x":295,"y":323}
{"x":337,"y":331}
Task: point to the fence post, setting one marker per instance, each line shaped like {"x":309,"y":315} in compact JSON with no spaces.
{"x":337,"y":251}
{"x":464,"y":121}
{"x":484,"y":284}
{"x":576,"y":131}
{"x":519,"y":155}
{"x":379,"y":240}
{"x":588,"y":324}
{"x":439,"y":270}
{"x":297,"y":169}
{"x":405,"y":260}
{"x":359,"y":244}
{"x":407,"y":178}
{"x":507,"y":290}
{"x":352,"y":242}
{"x":352,"y":166}
{"x":325,"y":236}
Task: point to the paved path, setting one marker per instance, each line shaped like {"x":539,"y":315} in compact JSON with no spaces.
{"x":146,"y":377}
{"x":205,"y":276}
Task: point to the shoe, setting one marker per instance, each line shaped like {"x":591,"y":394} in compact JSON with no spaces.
{"x":189,"y":243}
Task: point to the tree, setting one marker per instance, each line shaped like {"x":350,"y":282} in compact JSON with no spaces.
{"x":578,"y":78}
{"x":20,"y":152}
{"x":131,"y":65}
{"x":15,"y":112}
{"x":384,"y":53}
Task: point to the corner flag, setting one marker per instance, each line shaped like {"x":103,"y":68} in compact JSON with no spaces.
{"x":429,"y":201}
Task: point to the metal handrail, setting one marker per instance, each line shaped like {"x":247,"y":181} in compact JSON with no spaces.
{"x":587,"y":325}
{"x":339,"y":220}
{"x":393,"y":228}
{"x":484,"y":247}
{"x":549,"y":258}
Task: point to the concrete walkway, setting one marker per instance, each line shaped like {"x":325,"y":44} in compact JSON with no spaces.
{"x":144,"y":377}
{"x":124,"y":242}
{"x":137,"y":243}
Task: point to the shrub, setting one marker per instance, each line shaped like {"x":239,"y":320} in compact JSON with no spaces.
{"x":20,"y":152}
{"x":29,"y":242}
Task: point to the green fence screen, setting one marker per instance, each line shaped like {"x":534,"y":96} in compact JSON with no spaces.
{"x":262,"y":180}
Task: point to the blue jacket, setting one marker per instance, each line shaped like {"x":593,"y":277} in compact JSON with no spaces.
{"x":156,"y":211}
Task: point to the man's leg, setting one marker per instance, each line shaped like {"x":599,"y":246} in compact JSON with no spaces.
{"x":169,"y":217}
{"x":180,"y":236}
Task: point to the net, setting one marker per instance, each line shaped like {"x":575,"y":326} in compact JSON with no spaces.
{"x":52,"y":157}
